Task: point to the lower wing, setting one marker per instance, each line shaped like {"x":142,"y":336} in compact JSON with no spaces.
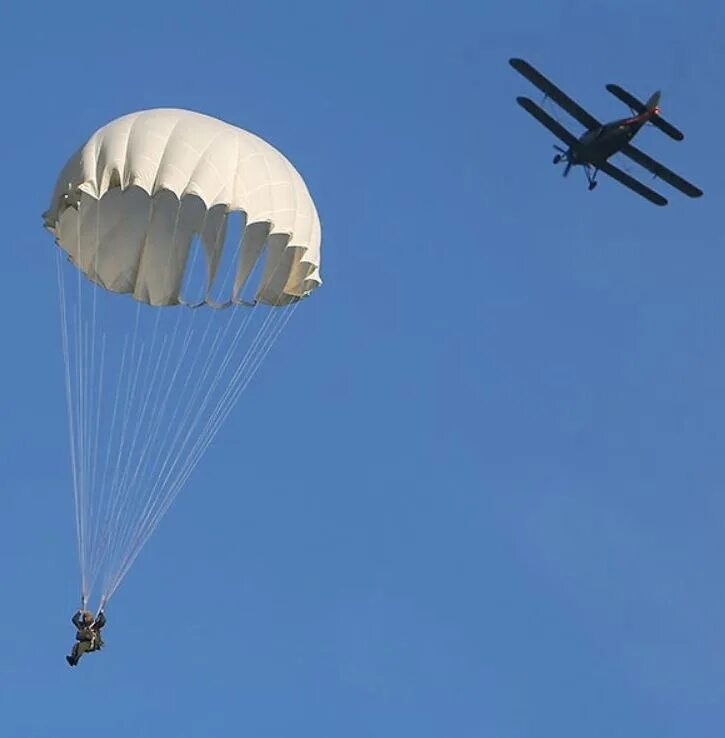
{"x":545,"y":119}
{"x":661,"y":171}
{"x":632,"y":183}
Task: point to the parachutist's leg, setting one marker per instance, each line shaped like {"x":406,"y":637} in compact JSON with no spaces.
{"x":73,"y":658}
{"x":79,"y":649}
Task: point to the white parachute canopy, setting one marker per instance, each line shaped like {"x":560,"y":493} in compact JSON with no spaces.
{"x":182,"y":211}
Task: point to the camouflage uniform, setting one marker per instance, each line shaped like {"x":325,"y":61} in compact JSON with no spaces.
{"x":88,"y":637}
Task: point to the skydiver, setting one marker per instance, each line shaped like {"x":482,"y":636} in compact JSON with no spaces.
{"x":88,"y":636}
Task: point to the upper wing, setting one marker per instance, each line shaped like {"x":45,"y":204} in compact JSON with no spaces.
{"x":661,"y":171}
{"x":544,"y":118}
{"x":632,"y":183}
{"x":552,"y":91}
{"x":629,"y":99}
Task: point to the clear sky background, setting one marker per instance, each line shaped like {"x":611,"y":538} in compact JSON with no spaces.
{"x":500,"y":509}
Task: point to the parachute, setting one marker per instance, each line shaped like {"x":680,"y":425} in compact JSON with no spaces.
{"x":215,"y":237}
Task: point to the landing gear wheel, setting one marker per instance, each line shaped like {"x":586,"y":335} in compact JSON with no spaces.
{"x":557,"y":158}
{"x":592,"y":185}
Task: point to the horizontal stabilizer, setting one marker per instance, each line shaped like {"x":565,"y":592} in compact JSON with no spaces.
{"x":628,"y":99}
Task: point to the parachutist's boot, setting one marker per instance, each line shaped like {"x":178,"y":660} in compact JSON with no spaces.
{"x":71,"y":661}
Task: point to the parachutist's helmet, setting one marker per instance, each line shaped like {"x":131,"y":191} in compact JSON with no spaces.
{"x":87,"y":617}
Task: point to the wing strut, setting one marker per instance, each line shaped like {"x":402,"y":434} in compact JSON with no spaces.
{"x":557,"y":95}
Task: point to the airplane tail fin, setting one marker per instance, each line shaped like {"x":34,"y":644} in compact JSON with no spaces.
{"x":653,"y":104}
{"x":653,"y":107}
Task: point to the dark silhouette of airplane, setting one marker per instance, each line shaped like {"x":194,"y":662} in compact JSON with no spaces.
{"x":601,"y":141}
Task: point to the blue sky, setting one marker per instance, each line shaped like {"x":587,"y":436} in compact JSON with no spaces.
{"x":499,"y":511}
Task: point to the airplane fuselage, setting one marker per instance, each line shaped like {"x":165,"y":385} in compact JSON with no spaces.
{"x":597,"y":145}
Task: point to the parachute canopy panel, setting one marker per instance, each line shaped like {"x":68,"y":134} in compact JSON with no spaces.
{"x":129,"y":204}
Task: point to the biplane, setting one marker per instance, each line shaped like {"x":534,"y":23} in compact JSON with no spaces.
{"x":599,"y":142}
